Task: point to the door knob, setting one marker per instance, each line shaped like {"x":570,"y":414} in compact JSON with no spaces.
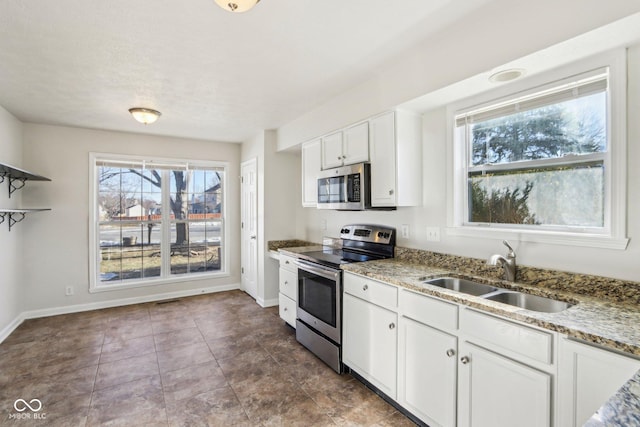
{"x":465,"y":360}
{"x":391,"y":192}
{"x":392,"y":325}
{"x":451,"y":352}
{"x":365,"y":287}
{"x":253,"y":237}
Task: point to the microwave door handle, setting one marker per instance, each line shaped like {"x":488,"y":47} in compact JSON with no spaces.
{"x":320,"y":271}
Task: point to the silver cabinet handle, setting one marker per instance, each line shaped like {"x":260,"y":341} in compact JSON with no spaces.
{"x":465,"y":360}
{"x":392,"y":325}
{"x":285,"y":309}
{"x":286,"y":282}
{"x":391,"y":192}
{"x":451,"y":352}
{"x":253,"y":237}
{"x":339,"y":157}
{"x":365,"y":287}
{"x":286,"y":262}
{"x":344,"y":157}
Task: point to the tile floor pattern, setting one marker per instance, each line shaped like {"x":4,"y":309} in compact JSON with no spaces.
{"x":216,"y":359}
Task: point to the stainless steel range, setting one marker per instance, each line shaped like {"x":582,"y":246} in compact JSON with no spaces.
{"x":319,"y":312}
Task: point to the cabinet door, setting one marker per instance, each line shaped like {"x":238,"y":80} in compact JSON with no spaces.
{"x":370,"y":342}
{"x":311,"y":166}
{"x":427,"y":366}
{"x":587,"y":377}
{"x":382,"y":150}
{"x":499,"y":392}
{"x":332,"y":151}
{"x":355,"y":146}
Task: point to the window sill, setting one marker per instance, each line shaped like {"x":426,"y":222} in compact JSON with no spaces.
{"x":119,"y":286}
{"x":548,"y":237}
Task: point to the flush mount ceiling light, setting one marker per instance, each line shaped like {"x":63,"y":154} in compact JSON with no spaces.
{"x":506,"y":75}
{"x":236,"y":5}
{"x":145,"y":115}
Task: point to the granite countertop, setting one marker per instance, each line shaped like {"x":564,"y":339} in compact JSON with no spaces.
{"x":610,"y":324}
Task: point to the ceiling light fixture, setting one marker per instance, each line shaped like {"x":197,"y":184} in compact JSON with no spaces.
{"x":236,"y":5}
{"x":506,"y":75}
{"x":145,"y":115}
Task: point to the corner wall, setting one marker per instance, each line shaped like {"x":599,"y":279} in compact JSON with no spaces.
{"x":279,"y":205}
{"x":11,"y":283}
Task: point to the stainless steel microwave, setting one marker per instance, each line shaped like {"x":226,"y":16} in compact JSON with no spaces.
{"x":345,"y":188}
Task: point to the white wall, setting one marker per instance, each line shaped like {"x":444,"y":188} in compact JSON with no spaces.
{"x":279,"y":205}
{"x":11,"y":284}
{"x":491,"y":36}
{"x":604,"y":262}
{"x":56,"y":243}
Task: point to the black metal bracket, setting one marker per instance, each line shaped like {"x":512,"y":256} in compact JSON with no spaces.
{"x":14,"y":217}
{"x":13,"y":221}
{"x":13,"y":187}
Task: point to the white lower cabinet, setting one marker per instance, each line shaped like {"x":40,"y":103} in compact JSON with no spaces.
{"x":451,"y":365}
{"x":427,"y":369}
{"x":496,"y":391}
{"x":288,"y":287}
{"x":370,"y":342}
{"x":587,"y":377}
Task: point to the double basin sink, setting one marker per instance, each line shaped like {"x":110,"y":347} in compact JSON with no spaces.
{"x":491,"y":293}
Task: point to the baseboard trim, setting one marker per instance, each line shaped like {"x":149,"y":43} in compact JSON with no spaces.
{"x":268,"y":302}
{"x":7,"y":330}
{"x":34,"y":314}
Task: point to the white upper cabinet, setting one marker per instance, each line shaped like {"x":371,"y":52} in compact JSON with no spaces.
{"x":355,"y":146}
{"x":332,"y":150}
{"x":346,"y":147}
{"x":395,"y":150}
{"x":311,"y":166}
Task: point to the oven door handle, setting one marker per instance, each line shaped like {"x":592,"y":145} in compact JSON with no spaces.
{"x":327,"y":273}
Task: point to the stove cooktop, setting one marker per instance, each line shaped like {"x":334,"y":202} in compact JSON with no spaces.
{"x":333,"y":257}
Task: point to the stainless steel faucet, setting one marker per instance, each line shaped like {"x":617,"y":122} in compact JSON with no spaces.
{"x":508,"y":263}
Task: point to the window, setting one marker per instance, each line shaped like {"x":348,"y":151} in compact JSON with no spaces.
{"x":156,"y":221}
{"x":540,"y":163}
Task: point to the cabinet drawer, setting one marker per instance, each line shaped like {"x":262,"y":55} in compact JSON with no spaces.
{"x":288,"y":262}
{"x":287,"y":309}
{"x":529,"y":342}
{"x":371,"y":290}
{"x":427,"y":310}
{"x":289,"y":283}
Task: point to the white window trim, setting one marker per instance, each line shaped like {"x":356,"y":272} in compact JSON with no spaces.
{"x":94,"y":254}
{"x":616,"y":192}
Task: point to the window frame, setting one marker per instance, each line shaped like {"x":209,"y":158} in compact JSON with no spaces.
{"x":95,"y":285}
{"x":613,"y":234}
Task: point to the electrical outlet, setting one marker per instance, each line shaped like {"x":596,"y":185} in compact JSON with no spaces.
{"x":433,"y":234}
{"x":68,"y":291}
{"x":405,"y":231}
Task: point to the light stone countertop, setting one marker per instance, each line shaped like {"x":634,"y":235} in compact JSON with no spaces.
{"x":612,"y":325}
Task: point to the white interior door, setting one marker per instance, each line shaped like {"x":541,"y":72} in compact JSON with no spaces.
{"x":249,"y":227}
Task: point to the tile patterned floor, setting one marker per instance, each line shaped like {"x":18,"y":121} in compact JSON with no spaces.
{"x":216,"y":359}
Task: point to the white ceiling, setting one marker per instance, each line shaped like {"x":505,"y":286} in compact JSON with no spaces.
{"x":213,"y":75}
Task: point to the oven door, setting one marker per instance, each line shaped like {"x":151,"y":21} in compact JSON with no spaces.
{"x":319,"y":298}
